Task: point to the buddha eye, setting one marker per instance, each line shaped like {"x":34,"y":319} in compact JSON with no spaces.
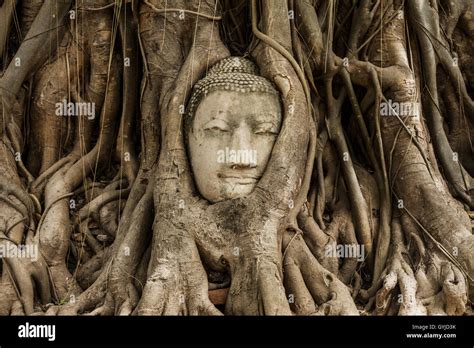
{"x":217,"y":129}
{"x":217,"y":126}
{"x":266,"y":128}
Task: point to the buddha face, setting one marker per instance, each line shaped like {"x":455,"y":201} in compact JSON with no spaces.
{"x":231,"y":140}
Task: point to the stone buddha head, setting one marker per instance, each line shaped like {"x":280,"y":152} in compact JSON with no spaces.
{"x":232,"y":121}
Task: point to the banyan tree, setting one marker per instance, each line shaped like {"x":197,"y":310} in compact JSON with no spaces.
{"x":206,"y":157}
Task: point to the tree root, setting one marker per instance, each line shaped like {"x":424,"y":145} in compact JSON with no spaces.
{"x":399,"y":273}
{"x":311,"y":288}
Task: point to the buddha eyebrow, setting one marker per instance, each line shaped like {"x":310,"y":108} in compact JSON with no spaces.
{"x":265,"y":114}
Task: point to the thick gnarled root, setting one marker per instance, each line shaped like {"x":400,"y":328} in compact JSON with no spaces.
{"x":9,"y":300}
{"x":87,"y":301}
{"x":311,"y":289}
{"x":434,"y":286}
{"x":399,"y":275}
{"x":452,"y":298}
{"x":165,"y":292}
{"x":396,"y":279}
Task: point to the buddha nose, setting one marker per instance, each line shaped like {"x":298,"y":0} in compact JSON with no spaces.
{"x":242,"y":144}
